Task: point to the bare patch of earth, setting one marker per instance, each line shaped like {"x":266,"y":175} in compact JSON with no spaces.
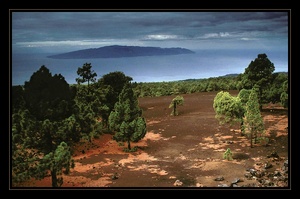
{"x":183,"y":151}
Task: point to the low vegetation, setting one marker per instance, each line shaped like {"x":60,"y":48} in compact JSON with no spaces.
{"x":49,"y":116}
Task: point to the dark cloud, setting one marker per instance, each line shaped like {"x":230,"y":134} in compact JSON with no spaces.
{"x":103,"y":26}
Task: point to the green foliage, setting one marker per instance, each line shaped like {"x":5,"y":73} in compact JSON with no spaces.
{"x":244,"y":95}
{"x":110,"y":87}
{"x":276,"y":88}
{"x":85,"y":118}
{"x":228,"y":108}
{"x":47,"y":96}
{"x":116,"y":80}
{"x":57,"y":161}
{"x":69,"y":129}
{"x":227,"y":155}
{"x":259,"y":69}
{"x":177,"y":101}
{"x":270,"y":86}
{"x":43,"y":127}
{"x":126,"y":119}
{"x":23,"y":160}
{"x":86,"y":74}
{"x":284,"y":96}
{"x":259,"y":73}
{"x":17,"y":98}
{"x":154,"y":89}
{"x":47,"y":114}
{"x":90,"y":109}
{"x":253,"y":123}
{"x":31,"y":141}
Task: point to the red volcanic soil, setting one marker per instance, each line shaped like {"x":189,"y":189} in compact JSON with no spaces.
{"x":183,"y":151}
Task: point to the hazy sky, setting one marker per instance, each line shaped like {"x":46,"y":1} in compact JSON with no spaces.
{"x":40,"y":31}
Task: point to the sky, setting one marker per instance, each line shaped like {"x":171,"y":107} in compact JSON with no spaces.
{"x":58,"y":31}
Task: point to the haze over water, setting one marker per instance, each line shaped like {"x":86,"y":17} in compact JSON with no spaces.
{"x":202,"y":64}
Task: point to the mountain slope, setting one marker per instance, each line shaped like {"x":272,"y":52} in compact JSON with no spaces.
{"x":117,"y":51}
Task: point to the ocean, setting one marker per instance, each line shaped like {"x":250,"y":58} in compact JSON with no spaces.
{"x":201,"y":64}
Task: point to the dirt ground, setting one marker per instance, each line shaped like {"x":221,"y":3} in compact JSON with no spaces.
{"x":184,"y":151}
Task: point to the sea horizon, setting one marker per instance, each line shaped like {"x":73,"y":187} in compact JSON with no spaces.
{"x":200,"y":65}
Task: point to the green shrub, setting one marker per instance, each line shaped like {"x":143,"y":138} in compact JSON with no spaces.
{"x":228,"y":154}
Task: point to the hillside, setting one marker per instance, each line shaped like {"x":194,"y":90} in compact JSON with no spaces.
{"x":184,"y":151}
{"x":117,"y":51}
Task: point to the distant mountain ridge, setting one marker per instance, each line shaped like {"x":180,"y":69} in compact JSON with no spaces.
{"x":117,"y":51}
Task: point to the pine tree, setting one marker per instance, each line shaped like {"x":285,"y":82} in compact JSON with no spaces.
{"x":259,"y":73}
{"x":253,"y":123}
{"x":178,"y":100}
{"x":86,"y":73}
{"x":126,"y":119}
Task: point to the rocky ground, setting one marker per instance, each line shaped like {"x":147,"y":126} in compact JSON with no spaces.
{"x":184,"y":151}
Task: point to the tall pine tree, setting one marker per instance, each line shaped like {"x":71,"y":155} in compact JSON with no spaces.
{"x":259,"y":74}
{"x":126,"y":119}
{"x":253,"y":123}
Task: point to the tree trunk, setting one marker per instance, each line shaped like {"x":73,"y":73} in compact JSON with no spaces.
{"x":128,"y":144}
{"x":251,"y":135}
{"x":106,"y":123}
{"x":174,"y":110}
{"x":54,"y":178}
{"x":242,"y":128}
